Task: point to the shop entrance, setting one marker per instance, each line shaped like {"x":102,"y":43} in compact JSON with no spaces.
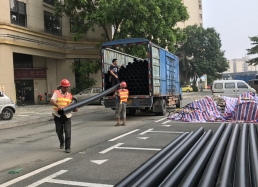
{"x":25,"y":88}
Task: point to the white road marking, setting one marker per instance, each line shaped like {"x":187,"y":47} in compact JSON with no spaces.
{"x":173,"y":132}
{"x":34,"y":172}
{"x":160,"y":120}
{"x":50,"y":179}
{"x":22,"y":115}
{"x":111,"y":148}
{"x":166,"y":125}
{"x":123,"y":135}
{"x":46,"y":179}
{"x":166,"y":122}
{"x":82,"y":152}
{"x":145,"y":131}
{"x":74,"y":183}
{"x":139,"y":148}
{"x":99,"y":161}
{"x":143,"y":138}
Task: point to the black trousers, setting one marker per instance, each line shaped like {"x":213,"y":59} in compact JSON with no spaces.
{"x":63,"y":125}
{"x":114,"y":81}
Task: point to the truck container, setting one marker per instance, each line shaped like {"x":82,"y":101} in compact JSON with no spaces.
{"x":153,"y":82}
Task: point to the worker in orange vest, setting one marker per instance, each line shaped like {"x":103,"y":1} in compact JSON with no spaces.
{"x":60,"y":99}
{"x":122,"y":96}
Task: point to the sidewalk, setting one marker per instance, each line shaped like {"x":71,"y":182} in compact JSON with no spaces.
{"x":30,"y":114}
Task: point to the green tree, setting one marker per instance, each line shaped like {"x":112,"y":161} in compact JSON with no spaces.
{"x":83,"y":70}
{"x":201,"y":53}
{"x":253,"y":50}
{"x":151,"y":19}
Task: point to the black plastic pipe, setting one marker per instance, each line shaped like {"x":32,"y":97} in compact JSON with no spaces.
{"x":242,"y":176}
{"x":253,"y":143}
{"x":143,"y":177}
{"x":136,"y":173}
{"x":211,"y":172}
{"x":161,"y":172}
{"x":195,"y":172}
{"x":87,"y":101}
{"x":226,"y":175}
{"x":177,"y":175}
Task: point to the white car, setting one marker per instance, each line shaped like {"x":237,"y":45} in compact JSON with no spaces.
{"x":87,"y":93}
{"x":7,"y":107}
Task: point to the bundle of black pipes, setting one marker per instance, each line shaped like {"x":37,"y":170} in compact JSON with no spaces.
{"x":135,"y":74}
{"x":229,"y":158}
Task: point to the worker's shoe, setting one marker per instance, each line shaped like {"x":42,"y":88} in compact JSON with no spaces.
{"x":123,"y":124}
{"x":61,"y":146}
{"x":117,"y":124}
{"x":68,"y":150}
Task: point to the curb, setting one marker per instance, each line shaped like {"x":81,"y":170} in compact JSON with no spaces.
{"x":43,"y":119}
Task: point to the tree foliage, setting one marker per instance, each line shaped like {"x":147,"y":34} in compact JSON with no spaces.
{"x":83,"y":70}
{"x":253,"y":51}
{"x":151,"y":19}
{"x":201,"y":53}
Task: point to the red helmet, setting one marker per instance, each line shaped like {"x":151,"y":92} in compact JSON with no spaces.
{"x":123,"y":84}
{"x":65,"y":83}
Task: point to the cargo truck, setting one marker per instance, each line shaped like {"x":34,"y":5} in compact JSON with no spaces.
{"x":153,"y":82}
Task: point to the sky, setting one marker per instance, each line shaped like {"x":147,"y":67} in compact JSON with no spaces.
{"x":235,"y":21}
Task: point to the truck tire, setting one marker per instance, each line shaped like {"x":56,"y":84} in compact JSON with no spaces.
{"x":7,"y":114}
{"x":178,"y":105}
{"x":163,"y":109}
{"x":132,"y":112}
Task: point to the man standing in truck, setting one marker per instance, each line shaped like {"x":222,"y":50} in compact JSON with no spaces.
{"x":121,"y":98}
{"x":114,"y":68}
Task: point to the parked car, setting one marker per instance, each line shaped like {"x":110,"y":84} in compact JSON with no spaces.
{"x":87,"y":93}
{"x":231,"y":88}
{"x":254,"y":84}
{"x":187,"y":88}
{"x":7,"y":107}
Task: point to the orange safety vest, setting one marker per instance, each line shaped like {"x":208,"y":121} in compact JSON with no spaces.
{"x":123,"y":95}
{"x":63,"y":100}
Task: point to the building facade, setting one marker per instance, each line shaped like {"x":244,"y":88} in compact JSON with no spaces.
{"x":194,"y":8}
{"x":37,"y":50}
{"x":240,"y":65}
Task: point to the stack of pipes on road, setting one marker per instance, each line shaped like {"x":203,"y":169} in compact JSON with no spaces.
{"x":227,"y":158}
{"x":87,"y":101}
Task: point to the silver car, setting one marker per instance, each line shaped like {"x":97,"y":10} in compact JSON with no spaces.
{"x":7,"y":107}
{"x":87,"y":93}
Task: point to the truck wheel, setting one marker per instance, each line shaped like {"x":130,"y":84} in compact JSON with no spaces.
{"x":145,"y":110}
{"x":7,"y":114}
{"x":178,"y":105}
{"x":163,"y":109}
{"x":132,"y":112}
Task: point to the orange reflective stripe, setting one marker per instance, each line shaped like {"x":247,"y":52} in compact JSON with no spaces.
{"x":123,"y":95}
{"x":63,"y":100}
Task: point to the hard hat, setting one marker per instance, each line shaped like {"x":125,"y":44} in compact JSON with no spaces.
{"x":123,"y":84}
{"x":65,"y":83}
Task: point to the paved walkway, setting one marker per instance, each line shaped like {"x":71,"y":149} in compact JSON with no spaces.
{"x":30,"y":114}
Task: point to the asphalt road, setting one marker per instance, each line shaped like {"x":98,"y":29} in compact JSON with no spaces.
{"x":100,"y":155}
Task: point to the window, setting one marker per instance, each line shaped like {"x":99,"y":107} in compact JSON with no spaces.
{"x":73,"y":25}
{"x":229,"y":85}
{"x":255,"y":82}
{"x":218,"y":86}
{"x":200,"y":7}
{"x":87,"y":91}
{"x":200,"y":24}
{"x":18,"y":13}
{"x":201,"y":16}
{"x":51,"y":2}
{"x":97,"y":90}
{"x":241,"y":85}
{"x":52,"y":24}
{"x":22,"y":60}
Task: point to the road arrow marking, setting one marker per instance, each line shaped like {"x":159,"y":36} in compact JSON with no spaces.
{"x":166,"y":125}
{"x":143,"y":138}
{"x":99,"y":161}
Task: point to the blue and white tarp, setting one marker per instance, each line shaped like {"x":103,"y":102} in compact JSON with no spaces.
{"x":241,"y":109}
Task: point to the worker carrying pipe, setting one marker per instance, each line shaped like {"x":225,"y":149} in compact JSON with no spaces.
{"x":121,"y":98}
{"x":61,"y":99}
